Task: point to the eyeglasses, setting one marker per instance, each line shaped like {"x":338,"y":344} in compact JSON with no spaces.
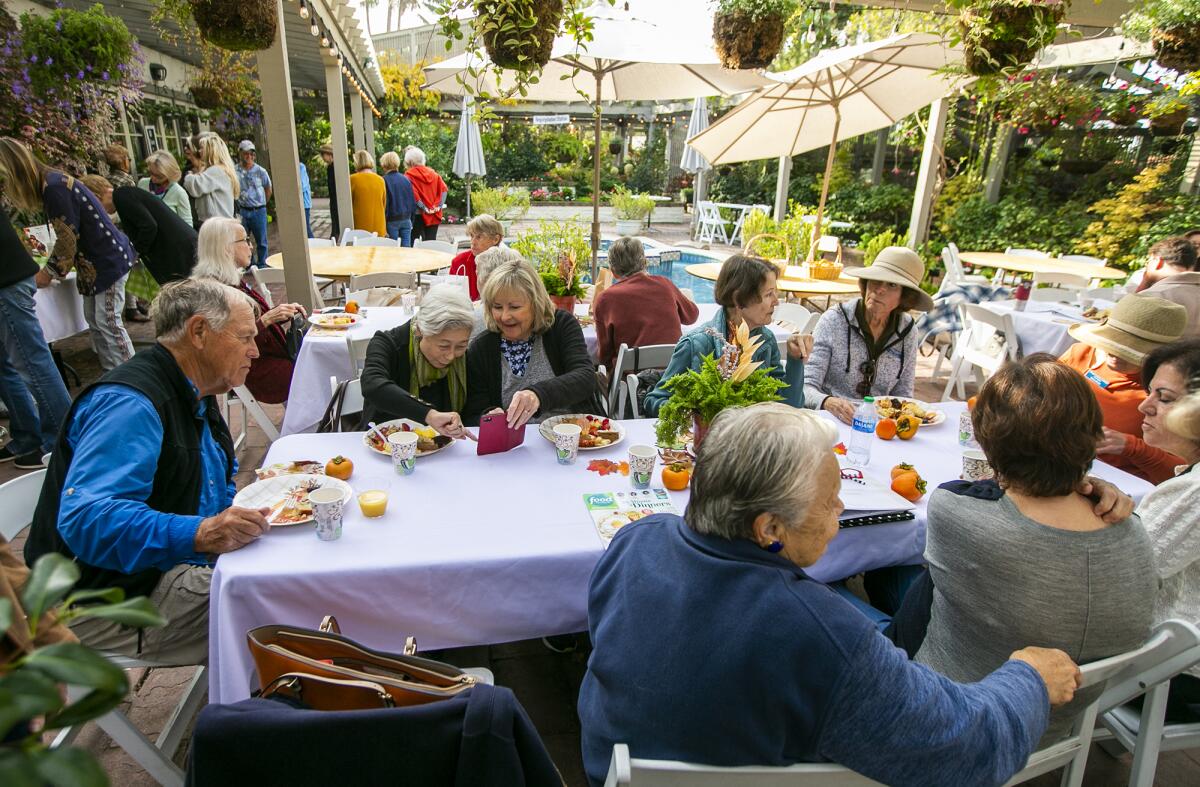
{"x":867,"y":370}
{"x":246,"y":240}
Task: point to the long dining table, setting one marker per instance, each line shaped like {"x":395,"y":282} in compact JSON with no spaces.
{"x":1019,"y":263}
{"x":476,"y":550}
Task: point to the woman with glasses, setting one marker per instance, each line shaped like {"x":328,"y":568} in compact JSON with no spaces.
{"x":224,"y":252}
{"x":868,"y":346}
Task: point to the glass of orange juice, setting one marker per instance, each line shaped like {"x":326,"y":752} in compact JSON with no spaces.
{"x":373,"y":496}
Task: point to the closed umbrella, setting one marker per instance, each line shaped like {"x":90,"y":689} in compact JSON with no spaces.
{"x":693,"y":161}
{"x":839,"y":94}
{"x":468,"y":151}
{"x":628,"y":59}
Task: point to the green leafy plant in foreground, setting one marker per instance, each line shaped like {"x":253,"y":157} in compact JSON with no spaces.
{"x":30,"y":685}
{"x":705,"y":393}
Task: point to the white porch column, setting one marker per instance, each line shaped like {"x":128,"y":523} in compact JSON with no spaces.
{"x":931,"y":160}
{"x":337,"y":125}
{"x":356,"y":117}
{"x":1191,"y":170}
{"x":995,"y":174}
{"x":781,"y":187}
{"x":280,"y":123}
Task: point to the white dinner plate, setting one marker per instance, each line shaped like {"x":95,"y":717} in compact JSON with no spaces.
{"x":546,"y":429}
{"x":271,"y":493}
{"x":939,"y":417}
{"x":324,"y":320}
{"x":443,"y":442}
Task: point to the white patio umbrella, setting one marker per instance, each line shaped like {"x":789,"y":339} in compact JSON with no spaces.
{"x":629,"y":59}
{"x":839,"y":94}
{"x":468,"y":151}
{"x":693,"y":161}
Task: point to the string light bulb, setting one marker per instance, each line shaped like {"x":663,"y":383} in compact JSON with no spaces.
{"x":315,"y":29}
{"x":304,"y":13}
{"x":325,"y":41}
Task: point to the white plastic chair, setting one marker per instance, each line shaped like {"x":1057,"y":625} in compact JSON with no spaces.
{"x":320,"y":243}
{"x":1017,"y":252}
{"x":1064,"y":280}
{"x":954,"y":269}
{"x":267,"y":276}
{"x":630,"y":361}
{"x":349,"y":235}
{"x":365,"y":281}
{"x":987,"y":340}
{"x":710,"y":225}
{"x":356,"y":346}
{"x":735,"y":237}
{"x":436,"y":245}
{"x":352,"y":402}
{"x":1098,"y":261}
{"x":375,"y":241}
{"x":18,"y":499}
{"x":254,"y":410}
{"x":795,"y":315}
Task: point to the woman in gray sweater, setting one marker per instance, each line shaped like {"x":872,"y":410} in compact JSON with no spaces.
{"x":1025,"y":558}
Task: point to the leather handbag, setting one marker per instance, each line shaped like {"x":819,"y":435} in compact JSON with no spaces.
{"x":327,"y":671}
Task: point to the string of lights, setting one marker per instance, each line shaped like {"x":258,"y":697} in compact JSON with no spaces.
{"x":328,"y":44}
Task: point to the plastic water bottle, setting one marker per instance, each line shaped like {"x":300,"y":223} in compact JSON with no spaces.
{"x":859,"y":452}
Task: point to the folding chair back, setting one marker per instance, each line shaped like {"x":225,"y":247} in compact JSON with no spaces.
{"x":710,"y":225}
{"x":436,"y":245}
{"x":352,"y":402}
{"x":375,"y":240}
{"x":1068,"y":281}
{"x":988,"y":340}
{"x":320,"y":243}
{"x":955,"y":274}
{"x":795,"y":317}
{"x":357,"y":349}
{"x":1083,"y":258}
{"x":1016,"y":252}
{"x":266,"y":276}
{"x":630,"y":361}
{"x":625,"y":771}
{"x":349,"y":235}
{"x":18,"y":499}
{"x":366,"y":281}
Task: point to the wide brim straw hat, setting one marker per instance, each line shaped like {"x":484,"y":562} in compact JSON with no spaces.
{"x":1134,"y":327}
{"x":899,"y":265}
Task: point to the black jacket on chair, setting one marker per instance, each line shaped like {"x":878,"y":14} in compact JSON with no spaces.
{"x":165,"y":243}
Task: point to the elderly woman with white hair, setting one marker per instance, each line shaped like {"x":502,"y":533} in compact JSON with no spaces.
{"x":430,"y":192}
{"x":164,"y":184}
{"x":418,"y":370}
{"x":224,"y":251}
{"x":532,"y":362}
{"x":782,"y":669}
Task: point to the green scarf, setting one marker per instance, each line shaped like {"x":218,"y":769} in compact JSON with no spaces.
{"x":424,"y":373}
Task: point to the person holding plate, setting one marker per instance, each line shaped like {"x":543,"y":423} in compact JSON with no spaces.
{"x":418,"y":370}
{"x":868,"y":346}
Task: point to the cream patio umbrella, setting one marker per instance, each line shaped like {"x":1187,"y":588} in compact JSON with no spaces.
{"x":468,"y":150}
{"x":839,"y":94}
{"x":629,"y":59}
{"x":692,"y":161}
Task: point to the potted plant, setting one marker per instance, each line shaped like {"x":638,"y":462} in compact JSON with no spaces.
{"x":31,"y":684}
{"x":733,"y":379}
{"x":518,"y":34}
{"x":615,"y":147}
{"x":1044,"y":102}
{"x":1168,"y":112}
{"x":67,"y":45}
{"x":749,"y":33}
{"x":555,"y":248}
{"x":237,"y":25}
{"x":506,"y":204}
{"x":1122,"y":109}
{"x":1173,"y":27}
{"x":1002,"y":35}
{"x":631,"y":210}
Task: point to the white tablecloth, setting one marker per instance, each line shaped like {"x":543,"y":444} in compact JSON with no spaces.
{"x":322,"y":357}
{"x":476,"y":550}
{"x":1042,"y":327}
{"x":59,"y":309}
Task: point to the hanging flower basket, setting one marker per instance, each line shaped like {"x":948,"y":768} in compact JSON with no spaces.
{"x":1001,"y":35}
{"x":744,"y":42}
{"x":1177,"y":48}
{"x":236,"y":25}
{"x":518,"y":36}
{"x":206,"y":96}
{"x":1169,"y":125}
{"x":615,"y":147}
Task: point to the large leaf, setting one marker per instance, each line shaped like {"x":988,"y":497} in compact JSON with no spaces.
{"x":6,"y":614}
{"x":93,"y":705}
{"x":111,"y":595}
{"x":70,"y":767}
{"x":53,"y":575}
{"x":137,"y":612}
{"x":18,"y":769}
{"x":79,"y":666}
{"x":24,"y":695}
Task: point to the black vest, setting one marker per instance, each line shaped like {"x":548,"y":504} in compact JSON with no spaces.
{"x":177,"y":479}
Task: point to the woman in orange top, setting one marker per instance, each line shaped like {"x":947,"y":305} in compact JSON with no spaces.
{"x":430,"y":192}
{"x":368,"y":193}
{"x":1109,"y":355}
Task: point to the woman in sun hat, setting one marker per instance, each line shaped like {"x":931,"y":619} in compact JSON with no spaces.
{"x":868,"y":346}
{"x":1109,"y":355}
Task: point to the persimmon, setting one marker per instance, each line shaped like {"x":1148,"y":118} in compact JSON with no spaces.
{"x":676,"y":477}
{"x":885,"y":428}
{"x":339,"y":467}
{"x":902,"y":468}
{"x":971,"y":403}
{"x":906,"y":426}
{"x":910,"y":486}
{"x":351,"y":307}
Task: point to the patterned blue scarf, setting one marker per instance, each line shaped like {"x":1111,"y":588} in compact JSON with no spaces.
{"x":517,"y":354}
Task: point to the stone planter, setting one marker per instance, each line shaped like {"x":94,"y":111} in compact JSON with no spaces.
{"x":564,"y":302}
{"x":629,"y":226}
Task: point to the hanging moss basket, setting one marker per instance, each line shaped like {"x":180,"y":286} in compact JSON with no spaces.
{"x":615,"y":147}
{"x":1005,"y":35}
{"x":1177,"y":48}
{"x":746,"y":43}
{"x":236,"y":25}
{"x":206,"y":96}
{"x":1169,"y":125}
{"x":518,"y":35}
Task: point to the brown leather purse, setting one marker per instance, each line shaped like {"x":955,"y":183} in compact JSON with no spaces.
{"x":327,"y":671}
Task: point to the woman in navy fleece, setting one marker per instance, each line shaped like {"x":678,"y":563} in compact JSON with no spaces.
{"x":712,"y":645}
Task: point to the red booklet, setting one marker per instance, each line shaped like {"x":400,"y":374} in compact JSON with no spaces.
{"x":495,"y":437}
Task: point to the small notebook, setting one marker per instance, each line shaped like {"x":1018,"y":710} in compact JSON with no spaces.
{"x":869,"y":502}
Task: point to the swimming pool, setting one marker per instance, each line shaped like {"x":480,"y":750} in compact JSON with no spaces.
{"x":671,"y":262}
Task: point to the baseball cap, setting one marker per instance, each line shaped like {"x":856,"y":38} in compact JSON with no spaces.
{"x":245,"y":145}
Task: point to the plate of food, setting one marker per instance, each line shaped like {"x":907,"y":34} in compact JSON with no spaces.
{"x":287,"y":496}
{"x":597,"y":431}
{"x":300,"y":466}
{"x":896,"y":406}
{"x":335,"y":320}
{"x":428,"y":440}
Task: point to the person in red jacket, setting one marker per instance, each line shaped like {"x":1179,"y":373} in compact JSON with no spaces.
{"x":430,"y":192}
{"x":638,"y":309}
{"x":484,"y":232}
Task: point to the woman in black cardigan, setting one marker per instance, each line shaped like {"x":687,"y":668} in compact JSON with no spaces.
{"x":417,"y":371}
{"x":532,"y":361}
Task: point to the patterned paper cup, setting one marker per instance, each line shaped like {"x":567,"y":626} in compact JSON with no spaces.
{"x":641,"y":465}
{"x":976,"y":466}
{"x":404,"y":451}
{"x":327,"y":505}
{"x":966,"y":430}
{"x":566,"y":443}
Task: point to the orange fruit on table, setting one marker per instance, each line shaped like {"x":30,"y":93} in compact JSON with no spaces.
{"x":910,"y":486}
{"x":971,"y":403}
{"x":902,"y":468}
{"x":339,"y":467}
{"x":907,"y":426}
{"x":676,"y":477}
{"x":885,"y":428}
{"x":351,"y":307}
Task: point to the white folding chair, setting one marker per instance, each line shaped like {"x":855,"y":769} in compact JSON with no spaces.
{"x":365,"y":281}
{"x":710,"y":225}
{"x":954,"y":269}
{"x":352,"y":402}
{"x":796,"y":316}
{"x":1018,"y":252}
{"x":688,"y":293}
{"x":630,"y":361}
{"x":987,"y":340}
{"x":267,"y":276}
{"x":625,"y":771}
{"x":1145,"y":732}
{"x":320,"y":243}
{"x":1064,"y":280}
{"x":436,"y":245}
{"x":349,"y":235}
{"x":255,"y":411}
{"x":375,"y":241}
{"x":1083,"y":258}
{"x":357,"y":348}
{"x":18,"y":499}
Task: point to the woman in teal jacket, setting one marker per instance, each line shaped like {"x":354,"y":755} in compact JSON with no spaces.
{"x":746,"y":292}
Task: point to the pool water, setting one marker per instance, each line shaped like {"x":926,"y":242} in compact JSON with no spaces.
{"x":671,"y":262}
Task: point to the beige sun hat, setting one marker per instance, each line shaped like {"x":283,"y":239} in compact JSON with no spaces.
{"x":899,"y":265}
{"x":1134,"y":327}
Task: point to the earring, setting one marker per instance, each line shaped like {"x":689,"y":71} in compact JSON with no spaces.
{"x":774,"y":547}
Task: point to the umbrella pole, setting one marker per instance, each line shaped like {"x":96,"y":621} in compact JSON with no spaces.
{"x":468,"y":196}
{"x":596,"y":181}
{"x":837,"y":121}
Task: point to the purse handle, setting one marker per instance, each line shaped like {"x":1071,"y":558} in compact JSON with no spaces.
{"x":329,"y":625}
{"x":293,"y":682}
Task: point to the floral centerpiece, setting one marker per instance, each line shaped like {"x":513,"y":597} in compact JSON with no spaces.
{"x":733,"y":379}
{"x":556,"y":248}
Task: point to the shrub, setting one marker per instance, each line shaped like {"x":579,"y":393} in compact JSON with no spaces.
{"x":1122,"y":220}
{"x":872,"y":209}
{"x":630,"y":206}
{"x":505,"y":204}
{"x":66,"y":45}
{"x":546,"y":246}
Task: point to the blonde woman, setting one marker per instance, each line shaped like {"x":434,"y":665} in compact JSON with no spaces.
{"x":532,"y":361}
{"x":213,"y":182}
{"x":401,"y":204}
{"x":368,"y":194}
{"x":86,"y":241}
{"x":164,"y":184}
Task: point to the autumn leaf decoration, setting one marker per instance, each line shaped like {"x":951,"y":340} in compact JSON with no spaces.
{"x":747,"y":347}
